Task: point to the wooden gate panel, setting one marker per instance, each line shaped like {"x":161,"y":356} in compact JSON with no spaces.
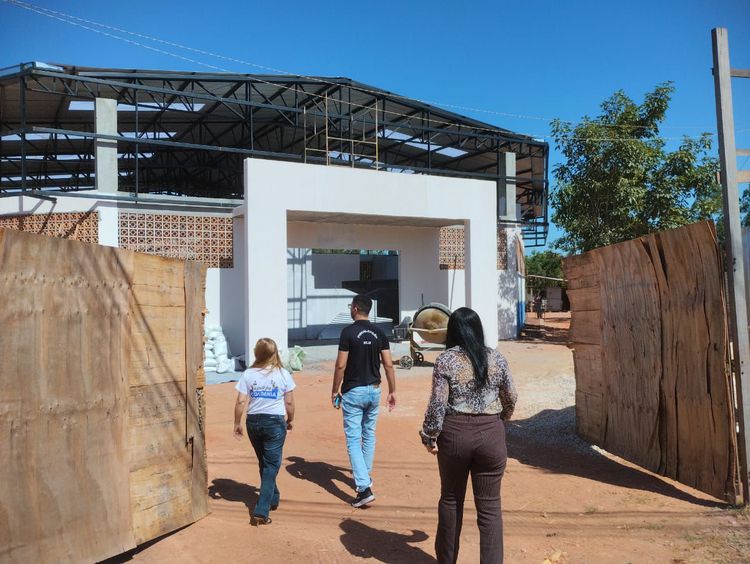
{"x":63,"y":401}
{"x":103,"y":418}
{"x":653,"y":386}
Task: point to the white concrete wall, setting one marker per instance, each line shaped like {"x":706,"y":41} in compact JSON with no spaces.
{"x":273,"y":188}
{"x":233,"y":295}
{"x":213,"y":297}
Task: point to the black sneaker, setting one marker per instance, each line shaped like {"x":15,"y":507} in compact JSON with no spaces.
{"x":363,"y":498}
{"x":256,"y":520}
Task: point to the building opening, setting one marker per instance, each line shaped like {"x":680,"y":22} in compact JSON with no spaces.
{"x":322,"y":282}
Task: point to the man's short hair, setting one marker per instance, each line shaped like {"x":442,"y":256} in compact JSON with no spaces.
{"x":362,"y":303}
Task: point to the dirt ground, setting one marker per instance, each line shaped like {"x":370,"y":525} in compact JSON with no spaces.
{"x":563,"y":501}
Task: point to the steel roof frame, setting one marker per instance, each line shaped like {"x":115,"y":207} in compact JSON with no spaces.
{"x":197,"y":150}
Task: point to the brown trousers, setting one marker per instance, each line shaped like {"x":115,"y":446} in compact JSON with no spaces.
{"x":471,"y":444}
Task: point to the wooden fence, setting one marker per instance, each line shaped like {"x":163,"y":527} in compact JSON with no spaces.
{"x":101,"y":407}
{"x":650,"y":341}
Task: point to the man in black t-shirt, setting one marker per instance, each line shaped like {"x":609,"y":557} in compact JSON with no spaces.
{"x":362,"y":347}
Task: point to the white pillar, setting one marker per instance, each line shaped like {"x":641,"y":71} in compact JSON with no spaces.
{"x":106,"y":151}
{"x":480,"y":258}
{"x":265,"y":268}
{"x":506,"y":188}
{"x":109,"y":227}
{"x":105,"y":162}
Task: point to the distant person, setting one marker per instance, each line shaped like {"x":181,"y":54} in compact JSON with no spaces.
{"x":356,"y":385}
{"x":269,"y":388}
{"x":472,"y":394}
{"x":538,"y":305}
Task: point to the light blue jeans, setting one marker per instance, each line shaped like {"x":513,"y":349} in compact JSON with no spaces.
{"x":361,"y":406}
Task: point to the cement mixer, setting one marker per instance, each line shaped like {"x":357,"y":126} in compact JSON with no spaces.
{"x":430,"y":323}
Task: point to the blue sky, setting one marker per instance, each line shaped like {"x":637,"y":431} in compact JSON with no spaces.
{"x":538,"y":60}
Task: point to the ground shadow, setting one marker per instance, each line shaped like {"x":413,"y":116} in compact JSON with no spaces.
{"x":323,"y":474}
{"x":544,"y":333}
{"x":548,"y":440}
{"x":230,"y":490}
{"x":363,"y":541}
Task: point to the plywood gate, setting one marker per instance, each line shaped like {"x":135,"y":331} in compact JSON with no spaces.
{"x":650,"y":341}
{"x":100,"y":398}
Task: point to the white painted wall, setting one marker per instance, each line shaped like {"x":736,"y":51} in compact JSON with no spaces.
{"x":213,"y":297}
{"x":273,"y":188}
{"x":233,"y":306}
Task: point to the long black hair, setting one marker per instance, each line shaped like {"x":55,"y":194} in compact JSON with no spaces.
{"x":465,"y":330}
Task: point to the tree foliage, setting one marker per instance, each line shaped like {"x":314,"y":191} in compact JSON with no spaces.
{"x":544,"y":263}
{"x":618,"y":181}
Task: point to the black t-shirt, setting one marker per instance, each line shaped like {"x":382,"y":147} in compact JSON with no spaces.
{"x":363,"y":340}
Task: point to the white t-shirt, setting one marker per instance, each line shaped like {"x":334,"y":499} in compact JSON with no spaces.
{"x":266,"y":389}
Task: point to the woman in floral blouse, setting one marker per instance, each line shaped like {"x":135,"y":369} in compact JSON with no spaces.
{"x":472,"y":394}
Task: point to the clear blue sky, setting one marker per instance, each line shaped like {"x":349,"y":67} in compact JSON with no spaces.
{"x":543,"y":59}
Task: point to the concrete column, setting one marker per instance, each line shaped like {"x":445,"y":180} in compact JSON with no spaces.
{"x":105,"y":161}
{"x":109,"y":226}
{"x":106,"y":151}
{"x":506,"y":189}
{"x":480,"y":258}
{"x":265,"y":236}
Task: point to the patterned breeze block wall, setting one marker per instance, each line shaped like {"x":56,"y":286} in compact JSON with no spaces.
{"x":452,"y":248}
{"x":80,"y":226}
{"x":187,"y":237}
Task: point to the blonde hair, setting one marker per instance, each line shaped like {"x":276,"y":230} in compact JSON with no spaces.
{"x":266,"y":354}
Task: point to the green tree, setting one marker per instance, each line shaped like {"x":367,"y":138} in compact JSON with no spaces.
{"x":618,"y":182}
{"x":544,"y":263}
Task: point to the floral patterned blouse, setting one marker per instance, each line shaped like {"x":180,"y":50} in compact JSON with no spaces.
{"x":454,"y":390}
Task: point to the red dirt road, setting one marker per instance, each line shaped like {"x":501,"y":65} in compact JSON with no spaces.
{"x":562,"y":500}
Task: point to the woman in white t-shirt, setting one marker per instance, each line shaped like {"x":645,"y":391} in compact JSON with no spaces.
{"x":269,"y":388}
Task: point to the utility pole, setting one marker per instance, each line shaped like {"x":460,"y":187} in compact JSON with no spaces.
{"x":738,"y":326}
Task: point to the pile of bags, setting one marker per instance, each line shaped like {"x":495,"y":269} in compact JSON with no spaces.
{"x":292,"y":358}
{"x":216,"y":357}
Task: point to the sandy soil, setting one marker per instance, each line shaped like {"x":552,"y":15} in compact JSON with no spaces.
{"x":563,"y":500}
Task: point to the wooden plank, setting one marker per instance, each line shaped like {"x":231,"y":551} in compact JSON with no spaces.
{"x":158,"y":344}
{"x":587,"y":360}
{"x":631,"y":346}
{"x":705,"y":433}
{"x":159,"y":272}
{"x":581,"y":271}
{"x":195,"y":276}
{"x":161,"y":498}
{"x":585,"y":327}
{"x":590,"y":416}
{"x":63,"y":400}
{"x":584,"y":299}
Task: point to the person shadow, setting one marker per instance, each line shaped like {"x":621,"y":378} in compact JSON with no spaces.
{"x":230,"y":490}
{"x":323,"y":474}
{"x":363,"y":541}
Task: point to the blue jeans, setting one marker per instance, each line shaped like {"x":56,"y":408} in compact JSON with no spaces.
{"x":267,"y":434}
{"x":361,"y":406}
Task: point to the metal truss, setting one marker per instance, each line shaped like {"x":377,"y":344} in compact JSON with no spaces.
{"x":187,"y":133}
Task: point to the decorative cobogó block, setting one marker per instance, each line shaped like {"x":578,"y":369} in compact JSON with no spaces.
{"x":207,"y":239}
{"x":79,"y":226}
{"x":452,"y":248}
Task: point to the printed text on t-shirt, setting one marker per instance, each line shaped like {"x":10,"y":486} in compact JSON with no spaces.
{"x":359,"y":336}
